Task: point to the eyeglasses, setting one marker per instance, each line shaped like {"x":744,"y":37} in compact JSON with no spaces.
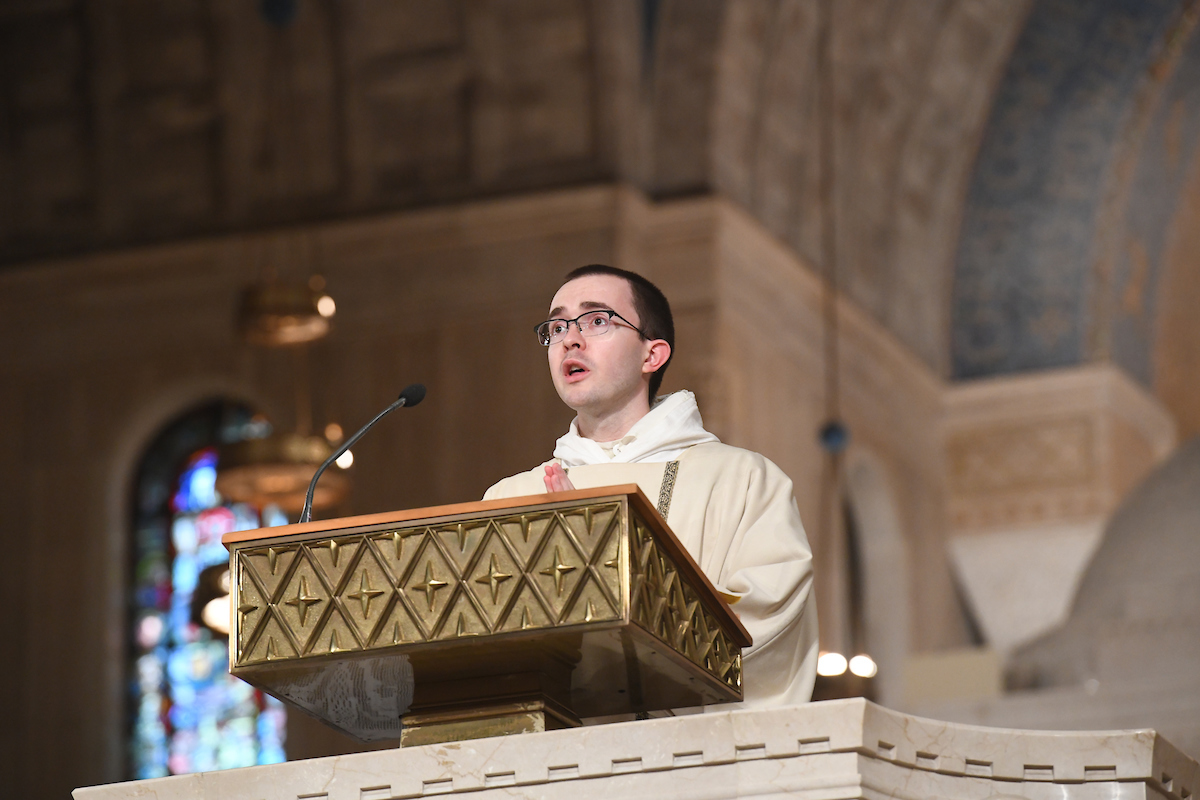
{"x":593,"y":323}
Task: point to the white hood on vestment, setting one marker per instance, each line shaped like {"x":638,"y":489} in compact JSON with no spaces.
{"x":672,"y":426}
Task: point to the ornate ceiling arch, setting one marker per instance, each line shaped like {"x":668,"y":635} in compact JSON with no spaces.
{"x":1074,"y":194}
{"x":913,"y":85}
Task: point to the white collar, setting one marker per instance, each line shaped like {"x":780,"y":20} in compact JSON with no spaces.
{"x":672,"y":425}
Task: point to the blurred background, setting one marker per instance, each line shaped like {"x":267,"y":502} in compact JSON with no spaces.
{"x":938,"y":259}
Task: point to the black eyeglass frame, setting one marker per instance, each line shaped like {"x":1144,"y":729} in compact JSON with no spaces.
{"x":578,"y":327}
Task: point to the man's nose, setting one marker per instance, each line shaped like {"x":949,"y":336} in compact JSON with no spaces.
{"x":573,"y":336}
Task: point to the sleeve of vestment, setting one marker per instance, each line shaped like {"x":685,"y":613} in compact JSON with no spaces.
{"x":766,"y":564}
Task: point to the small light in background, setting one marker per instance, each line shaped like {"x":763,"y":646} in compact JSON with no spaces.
{"x":150,"y":631}
{"x":863,"y":666}
{"x":345,"y":460}
{"x":210,"y":602}
{"x":333,"y":432}
{"x":325,"y":306}
{"x":216,"y":614}
{"x":831,"y":664}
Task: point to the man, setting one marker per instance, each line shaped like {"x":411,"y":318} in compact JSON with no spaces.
{"x":609,"y":339}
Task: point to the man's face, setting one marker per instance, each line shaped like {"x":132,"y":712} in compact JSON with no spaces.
{"x":599,"y":374}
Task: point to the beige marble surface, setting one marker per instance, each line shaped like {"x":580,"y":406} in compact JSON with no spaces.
{"x":1020,"y":582}
{"x":1052,"y":447}
{"x":836,"y":749}
{"x":1035,"y":465}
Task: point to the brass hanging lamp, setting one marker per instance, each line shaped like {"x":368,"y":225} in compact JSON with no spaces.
{"x":282,"y":314}
{"x":279,"y":313}
{"x":277,"y":468}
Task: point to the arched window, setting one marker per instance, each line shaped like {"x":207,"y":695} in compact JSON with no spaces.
{"x":866,"y":605}
{"x":187,"y":713}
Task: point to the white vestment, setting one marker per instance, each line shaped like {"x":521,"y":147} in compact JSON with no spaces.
{"x":735,"y":513}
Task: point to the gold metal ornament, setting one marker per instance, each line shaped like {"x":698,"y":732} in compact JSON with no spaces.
{"x":526,"y":616}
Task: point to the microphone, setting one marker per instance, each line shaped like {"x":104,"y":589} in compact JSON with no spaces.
{"x":409,"y":397}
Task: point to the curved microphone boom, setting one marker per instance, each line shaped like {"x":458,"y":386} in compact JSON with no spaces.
{"x":409,"y":397}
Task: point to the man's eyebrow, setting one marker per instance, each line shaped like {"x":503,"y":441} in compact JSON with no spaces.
{"x":554,"y":312}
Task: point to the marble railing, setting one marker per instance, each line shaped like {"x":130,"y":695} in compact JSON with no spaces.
{"x":830,"y":750}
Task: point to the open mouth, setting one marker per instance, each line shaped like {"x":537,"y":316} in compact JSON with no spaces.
{"x":574,"y":369}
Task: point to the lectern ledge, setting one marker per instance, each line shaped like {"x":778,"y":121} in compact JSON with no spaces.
{"x":481,"y":619}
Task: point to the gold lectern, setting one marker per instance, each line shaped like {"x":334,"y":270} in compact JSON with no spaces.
{"x":481,"y":619}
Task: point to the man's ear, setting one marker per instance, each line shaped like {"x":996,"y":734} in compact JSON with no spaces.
{"x":658,"y":355}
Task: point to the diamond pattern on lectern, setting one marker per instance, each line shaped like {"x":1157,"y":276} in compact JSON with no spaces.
{"x":557,"y":569}
{"x":333,"y":557}
{"x":462,"y":619}
{"x":672,"y":611}
{"x":429,"y":586}
{"x":590,"y":605}
{"x":303,"y":601}
{"x":517,"y":573}
{"x":648,"y":593}
{"x":703,"y":636}
{"x":607,"y":561}
{"x":365,"y":593}
{"x":460,"y":541}
{"x":250,"y":608}
{"x":526,"y":613}
{"x":525,"y":532}
{"x":493,"y":578}
{"x":685,"y":607}
{"x":336,"y":635}
{"x":590,"y":524}
{"x":270,"y":565}
{"x":272,"y":643}
{"x":398,"y":627}
{"x":397,"y":548}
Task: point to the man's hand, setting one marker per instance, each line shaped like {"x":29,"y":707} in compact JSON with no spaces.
{"x":556,"y":479}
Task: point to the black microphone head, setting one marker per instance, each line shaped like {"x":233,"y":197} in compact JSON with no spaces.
{"x":413,"y":394}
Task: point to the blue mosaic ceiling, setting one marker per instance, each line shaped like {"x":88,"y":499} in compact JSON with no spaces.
{"x":1075,"y":144}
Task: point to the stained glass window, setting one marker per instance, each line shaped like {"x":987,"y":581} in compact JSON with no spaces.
{"x":187,"y":713}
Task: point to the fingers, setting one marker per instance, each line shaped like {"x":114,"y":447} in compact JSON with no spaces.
{"x":556,"y":479}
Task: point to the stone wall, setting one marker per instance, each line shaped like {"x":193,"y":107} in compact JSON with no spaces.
{"x":103,"y":351}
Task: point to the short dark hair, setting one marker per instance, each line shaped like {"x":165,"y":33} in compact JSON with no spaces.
{"x":653,"y":310}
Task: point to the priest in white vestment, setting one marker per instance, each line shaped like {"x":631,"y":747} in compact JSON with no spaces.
{"x":609,"y":339}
